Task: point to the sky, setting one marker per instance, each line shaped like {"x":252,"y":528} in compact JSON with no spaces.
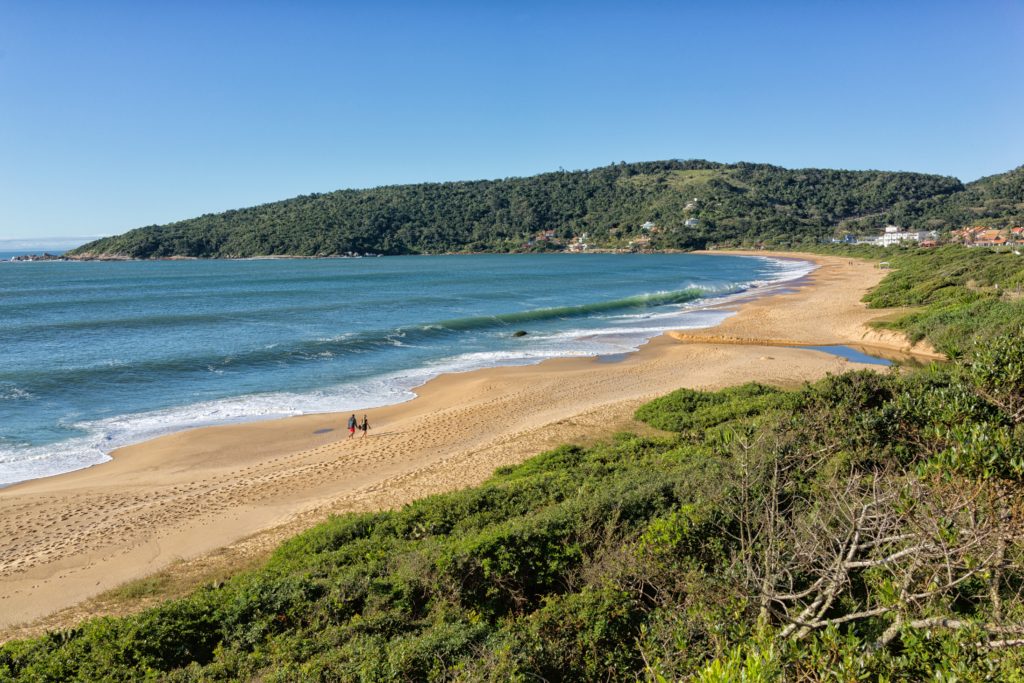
{"x":115,"y":115}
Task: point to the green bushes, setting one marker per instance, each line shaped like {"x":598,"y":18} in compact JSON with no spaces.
{"x":688,"y":409}
{"x":740,"y":203}
{"x":965,"y":295}
{"x":960,"y":296}
{"x":163,"y":639}
{"x":584,"y":636}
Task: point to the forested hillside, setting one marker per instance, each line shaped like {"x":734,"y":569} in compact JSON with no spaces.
{"x":996,"y":201}
{"x":693,"y":203}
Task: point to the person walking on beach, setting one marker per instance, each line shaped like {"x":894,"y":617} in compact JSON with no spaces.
{"x":365,"y":425}
{"x":352,"y":426}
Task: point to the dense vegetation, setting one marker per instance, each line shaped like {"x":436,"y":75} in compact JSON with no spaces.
{"x":692,"y":202}
{"x":959,"y":297}
{"x":996,"y":201}
{"x":866,"y":527}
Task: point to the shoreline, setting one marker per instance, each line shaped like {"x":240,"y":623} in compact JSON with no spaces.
{"x":237,"y":490}
{"x":266,"y":257}
{"x":99,"y":449}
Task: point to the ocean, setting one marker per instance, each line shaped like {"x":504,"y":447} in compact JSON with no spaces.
{"x":98,"y":355}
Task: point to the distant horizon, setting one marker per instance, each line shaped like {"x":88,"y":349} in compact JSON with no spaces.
{"x":63,"y":243}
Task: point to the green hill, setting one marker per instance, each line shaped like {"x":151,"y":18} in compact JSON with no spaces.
{"x":693,"y":202}
{"x":996,"y":201}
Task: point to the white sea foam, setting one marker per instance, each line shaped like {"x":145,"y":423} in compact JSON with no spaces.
{"x":788,"y":270}
{"x":99,"y":437}
{"x":11,"y":393}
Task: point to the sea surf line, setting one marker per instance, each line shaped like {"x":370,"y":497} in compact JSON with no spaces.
{"x":100,"y":355}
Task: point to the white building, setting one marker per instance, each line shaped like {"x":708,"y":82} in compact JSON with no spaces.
{"x":893,"y":235}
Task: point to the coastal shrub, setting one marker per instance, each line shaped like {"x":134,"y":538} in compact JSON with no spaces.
{"x":262,"y":605}
{"x":336,"y":532}
{"x":688,"y":531}
{"x":477,"y":508}
{"x":959,"y":296}
{"x":952,"y":329}
{"x":584,"y":636}
{"x":433,"y":653}
{"x":738,"y":203}
{"x":996,"y":370}
{"x":685,"y":409}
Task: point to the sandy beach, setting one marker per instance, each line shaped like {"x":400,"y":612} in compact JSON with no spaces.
{"x":217,"y":494}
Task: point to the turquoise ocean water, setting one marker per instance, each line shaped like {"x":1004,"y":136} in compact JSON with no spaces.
{"x":94,"y":356}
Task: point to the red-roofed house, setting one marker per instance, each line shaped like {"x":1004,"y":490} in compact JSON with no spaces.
{"x":991,"y":238}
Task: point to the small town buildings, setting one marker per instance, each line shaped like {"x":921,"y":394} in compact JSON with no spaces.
{"x":579,"y":244}
{"x":547,"y":237}
{"x":983,"y":236}
{"x":893,"y":235}
{"x":991,"y":238}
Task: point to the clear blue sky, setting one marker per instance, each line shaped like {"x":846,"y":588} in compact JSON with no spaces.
{"x":116,"y":115}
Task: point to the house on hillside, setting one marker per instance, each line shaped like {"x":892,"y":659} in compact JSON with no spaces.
{"x":579,"y":244}
{"x":962,"y":236}
{"x":991,"y":238}
{"x":894,"y":235}
{"x":981,"y":236}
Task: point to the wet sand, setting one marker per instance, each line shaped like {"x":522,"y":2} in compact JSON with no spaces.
{"x":240,"y":489}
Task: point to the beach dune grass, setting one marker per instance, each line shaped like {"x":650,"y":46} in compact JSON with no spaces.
{"x":954,"y":296}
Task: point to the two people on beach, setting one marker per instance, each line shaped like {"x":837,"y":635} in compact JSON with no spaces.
{"x":354,"y":424}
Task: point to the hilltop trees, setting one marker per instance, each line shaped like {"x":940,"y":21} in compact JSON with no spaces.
{"x":735,"y":203}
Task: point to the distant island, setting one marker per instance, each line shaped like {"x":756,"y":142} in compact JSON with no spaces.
{"x":45,"y":256}
{"x":644,"y":206}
